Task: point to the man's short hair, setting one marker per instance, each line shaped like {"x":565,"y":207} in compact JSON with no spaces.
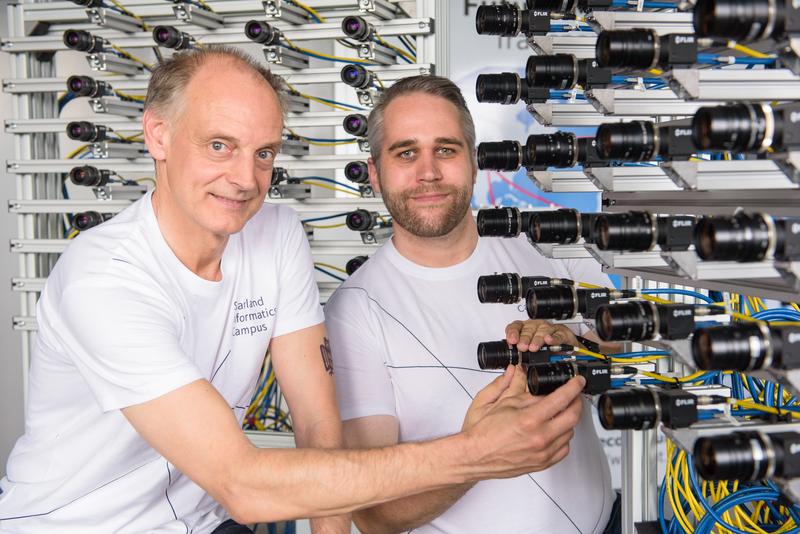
{"x":429,"y":85}
{"x":169,"y":78}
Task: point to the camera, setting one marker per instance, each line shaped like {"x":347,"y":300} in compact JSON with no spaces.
{"x":643,"y":141}
{"x":643,"y":408}
{"x":89,"y":176}
{"x":509,"y":20}
{"x":262,"y":32}
{"x":746,"y":347}
{"x":561,"y":226}
{"x":509,"y":288}
{"x":83,"y":41}
{"x":747,"y":127}
{"x":565,"y":71}
{"x":566,"y":301}
{"x":499,"y":355}
{"x":362,"y":220}
{"x":88,"y":219}
{"x":87,"y":86}
{"x":747,"y":238}
{"x":357,"y":76}
{"x":355,"y":124}
{"x":171,"y":37}
{"x":644,"y":49}
{"x":357,"y":28}
{"x":357,"y":172}
{"x":86,"y":131}
{"x":354,"y":263}
{"x":88,"y":3}
{"x":559,"y":149}
{"x":753,"y":20}
{"x":639,"y":320}
{"x":639,"y":231}
{"x":545,"y":378}
{"x":503,"y":222}
{"x":508,"y":88}
{"x":748,"y":455}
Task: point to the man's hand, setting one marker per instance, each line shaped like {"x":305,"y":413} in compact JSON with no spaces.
{"x":534,"y":333}
{"x":511,"y":382}
{"x":521,"y":433}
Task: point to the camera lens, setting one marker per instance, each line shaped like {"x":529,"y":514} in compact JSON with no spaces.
{"x":85,"y":131}
{"x":88,"y":176}
{"x":633,"y":409}
{"x":737,"y":128}
{"x":171,"y":37}
{"x":550,"y":150}
{"x":734,"y":456}
{"x":501,"y":156}
{"x":355,"y":124}
{"x":357,"y":171}
{"x":741,"y":237}
{"x":84,"y":86}
{"x":502,"y":222}
{"x":632,"y":231}
{"x":356,"y":28}
{"x":559,"y":71}
{"x":82,"y":41}
{"x":356,"y":76}
{"x":353,"y":264}
{"x":87,"y":219}
{"x":501,"y":288}
{"x":742,"y":20}
{"x":636,"y":49}
{"x":627,"y":141}
{"x":498,"y":355}
{"x":554,"y":302}
{"x":261,"y":32}
{"x":740,"y":347}
{"x":629,"y":321}
{"x":360,"y":220}
{"x":504,"y":88}
{"x":502,"y":19}
{"x":89,"y":3}
{"x":558,"y":226}
{"x":545,"y":378}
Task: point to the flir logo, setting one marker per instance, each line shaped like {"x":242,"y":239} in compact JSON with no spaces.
{"x":596,"y":372}
{"x":684,"y":402}
{"x":684,"y":39}
{"x":537,"y":283}
{"x":541,"y":14}
{"x":599,"y":295}
{"x":682,"y":132}
{"x":679,"y":223}
{"x":681,"y":313}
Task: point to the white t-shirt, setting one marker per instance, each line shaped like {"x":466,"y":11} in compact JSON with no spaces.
{"x":123,"y":321}
{"x":404,"y":340}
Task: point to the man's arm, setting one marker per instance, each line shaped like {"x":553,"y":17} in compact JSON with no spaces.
{"x":304,"y":370}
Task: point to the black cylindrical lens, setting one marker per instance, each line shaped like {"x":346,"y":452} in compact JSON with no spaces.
{"x":499,"y":19}
{"x":89,"y":3}
{"x":170,"y":37}
{"x":504,"y":288}
{"x":500,"y":222}
{"x":501,"y":156}
{"x":504,"y":88}
{"x":545,"y":378}
{"x":631,"y":231}
{"x":737,"y":128}
{"x":360,"y":220}
{"x":742,"y":20}
{"x":82,"y":41}
{"x":558,"y":149}
{"x":559,"y":71}
{"x":560,"y":226}
{"x":84,"y":86}
{"x":740,"y":347}
{"x":357,"y":28}
{"x":88,"y":176}
{"x":734,"y":456}
{"x":636,"y":49}
{"x":357,"y":171}
{"x":354,"y":263}
{"x":629,"y":321}
{"x":627,"y":141}
{"x":87,"y":219}
{"x":496,"y":355}
{"x":742,"y":237}
{"x":553,"y":302}
{"x":633,"y":409}
{"x":85,"y":131}
{"x":356,"y":76}
{"x":262,"y":32}
{"x":355,"y":124}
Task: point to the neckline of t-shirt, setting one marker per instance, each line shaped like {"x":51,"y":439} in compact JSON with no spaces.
{"x":191,"y":281}
{"x":464,"y":268}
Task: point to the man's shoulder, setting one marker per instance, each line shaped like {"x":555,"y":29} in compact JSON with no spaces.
{"x":362,"y":286}
{"x":270,"y":220}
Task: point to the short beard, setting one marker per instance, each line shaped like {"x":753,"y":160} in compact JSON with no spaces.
{"x":416,"y":223}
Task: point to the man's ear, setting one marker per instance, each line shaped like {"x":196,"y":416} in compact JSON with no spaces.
{"x":373,"y":176}
{"x":156,"y":135}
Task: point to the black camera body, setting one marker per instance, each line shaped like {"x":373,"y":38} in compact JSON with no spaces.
{"x":675,"y":232}
{"x":678,"y":408}
{"x":789,"y":339}
{"x":544,"y":378}
{"x":677,"y":321}
{"x":643,"y":408}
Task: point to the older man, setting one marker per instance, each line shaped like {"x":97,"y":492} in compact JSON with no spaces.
{"x":405,"y":329}
{"x":153,"y":328}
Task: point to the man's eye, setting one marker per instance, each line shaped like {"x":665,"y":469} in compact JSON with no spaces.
{"x":265,"y":154}
{"x":406,"y":154}
{"x":217,"y":146}
{"x":446,"y":150}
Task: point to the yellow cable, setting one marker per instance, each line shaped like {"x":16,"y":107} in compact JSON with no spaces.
{"x":202,"y":3}
{"x":324,"y":225}
{"x":616,"y":360}
{"x":326,"y":56}
{"x":767,"y":409}
{"x":77,"y":151}
{"x":329,"y":266}
{"x":72,"y":234}
{"x":129,"y":13}
{"x":403,"y":53}
{"x":657,"y":72}
{"x":748,"y":51}
{"x":795,"y":306}
{"x":139,"y":180}
{"x":130,"y":56}
{"x":325,"y":186}
{"x":310,"y":10}
{"x":130,"y":96}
